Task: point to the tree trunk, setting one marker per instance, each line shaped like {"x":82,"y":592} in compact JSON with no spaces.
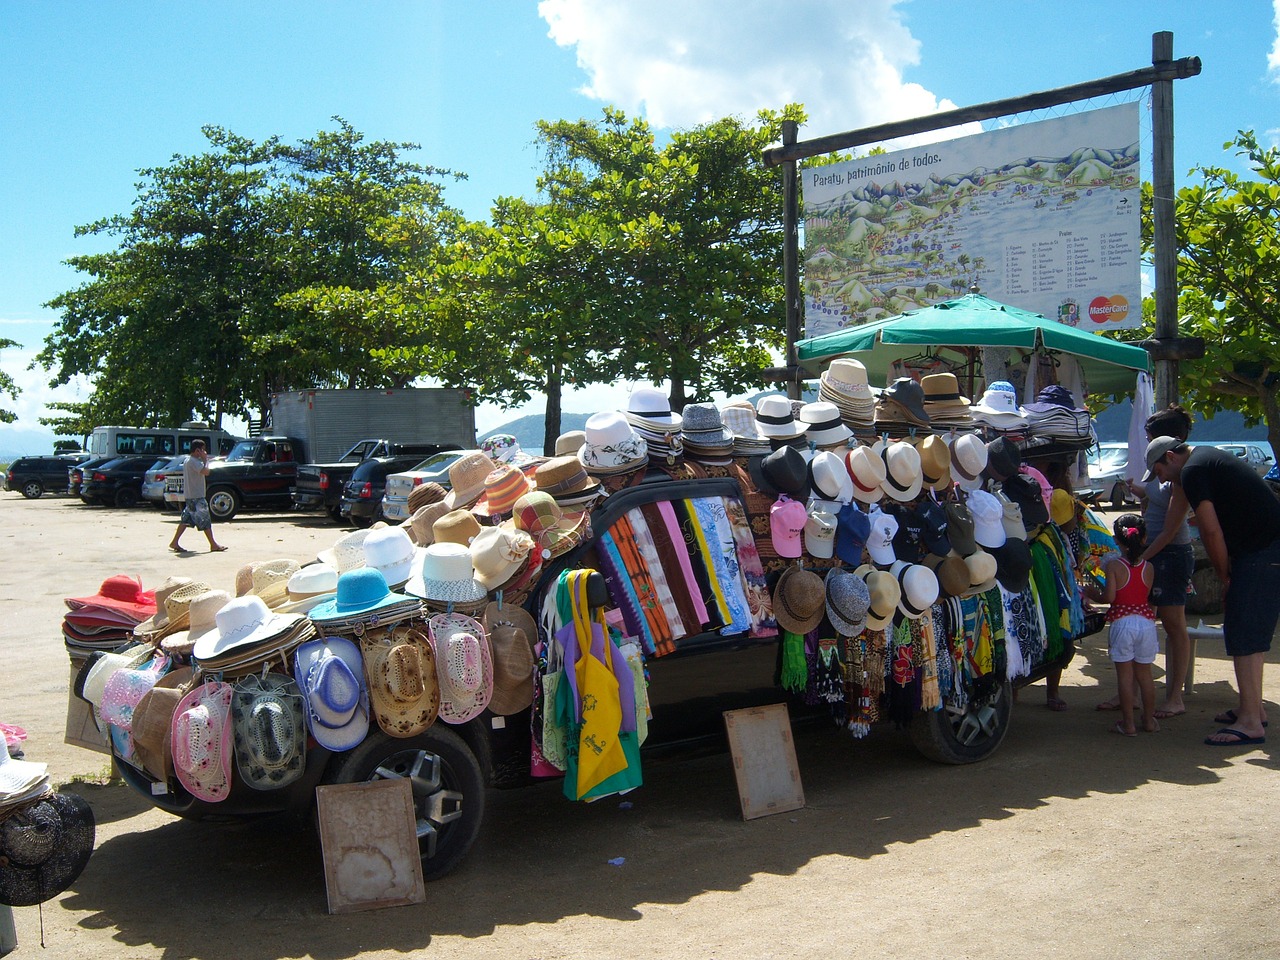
{"x":678,"y":396}
{"x":551,"y":423}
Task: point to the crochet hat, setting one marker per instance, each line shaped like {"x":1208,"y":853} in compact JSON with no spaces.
{"x":44,"y":846}
{"x":201,"y":737}
{"x":269,"y":731}
{"x":400,"y":670}
{"x":464,"y":666}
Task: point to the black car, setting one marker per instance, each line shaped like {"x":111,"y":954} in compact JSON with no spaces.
{"x":34,"y":476}
{"x":117,"y":482}
{"x":75,"y":475}
{"x":362,"y":494}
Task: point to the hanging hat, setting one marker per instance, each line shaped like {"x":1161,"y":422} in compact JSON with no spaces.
{"x":423,"y":494}
{"x":512,"y":633}
{"x":774,"y":418}
{"x":823,"y":424}
{"x":848,"y":600}
{"x":1003,"y":459}
{"x":781,"y":472}
{"x":1013,"y":565}
{"x":988,"y":515}
{"x":867,"y":471}
{"x":456,"y":526}
{"x":106,"y":664}
{"x":464,"y":666}
{"x":952,"y":573}
{"x":1028,"y":495}
{"x":852,"y":529}
{"x":44,"y":847}
{"x":1062,"y":507}
{"x":502,"y":488}
{"x":242,"y":623}
{"x":968,"y":460}
{"x":650,"y":407}
{"x":884,"y":527}
{"x":931,"y":519}
{"x":498,"y":554}
{"x":347,"y":552}
{"x":501,"y":447}
{"x":903,"y":479}
{"x":799,"y":600}
{"x":942,"y":391}
{"x":820,"y":534}
{"x":908,"y":394}
{"x":160,"y":619}
{"x":566,"y":480}
{"x":935,"y":462}
{"x":447,"y":575}
{"x":268,"y":730}
{"x":201,"y":736}
{"x":360,"y":593}
{"x":848,"y":377}
{"x":119,"y":593}
{"x":466,"y":480}
{"x":960,"y":528}
{"x":828,"y":478}
{"x":125,"y":688}
{"x":153,"y":721}
{"x":918,"y":587}
{"x":330,"y":673}
{"x":570,"y":442}
{"x":787,"y":519}
{"x":612,"y":446}
{"x":404,"y":692}
{"x":982,"y":572}
{"x":1011,"y":519}
{"x":884,"y":593}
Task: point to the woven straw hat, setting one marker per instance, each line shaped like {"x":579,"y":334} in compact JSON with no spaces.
{"x":466,"y":480}
{"x":424,"y":494}
{"x":347,"y":552}
{"x":799,"y":600}
{"x":269,"y":733}
{"x":201,"y":737}
{"x":404,"y":692}
{"x":512,"y":632}
{"x":464,"y":666}
{"x":423,"y":522}
{"x":456,"y":526}
{"x":271,"y":580}
{"x":160,"y":619}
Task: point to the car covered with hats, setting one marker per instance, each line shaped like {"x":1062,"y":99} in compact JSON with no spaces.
{"x":547,"y":621}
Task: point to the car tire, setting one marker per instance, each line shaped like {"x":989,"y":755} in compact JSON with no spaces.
{"x":335,"y":513}
{"x":955,"y":736}
{"x":360,"y":523}
{"x":127,"y":497}
{"x":32,"y":489}
{"x":224,"y":502}
{"x":448,"y":788}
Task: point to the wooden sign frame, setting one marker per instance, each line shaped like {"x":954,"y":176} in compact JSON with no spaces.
{"x":764,"y":760}
{"x":368,"y":834}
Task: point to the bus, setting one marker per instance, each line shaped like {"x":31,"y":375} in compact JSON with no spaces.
{"x":117,"y":441}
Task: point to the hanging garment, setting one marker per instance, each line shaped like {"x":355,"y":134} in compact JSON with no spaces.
{"x":657,"y":573}
{"x":669,"y":556}
{"x":759,"y":599}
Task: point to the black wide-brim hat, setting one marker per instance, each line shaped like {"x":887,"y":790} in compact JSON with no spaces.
{"x":43,"y":849}
{"x":1013,"y":564}
{"x":1026,"y":493}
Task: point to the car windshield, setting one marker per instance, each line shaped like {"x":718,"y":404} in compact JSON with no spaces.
{"x":1112,"y":458}
{"x":437,"y":460}
{"x":244,"y":452}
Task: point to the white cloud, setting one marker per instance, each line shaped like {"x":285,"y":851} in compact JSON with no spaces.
{"x":684,"y":63}
{"x":1273,"y":58}
{"x":35,"y":396}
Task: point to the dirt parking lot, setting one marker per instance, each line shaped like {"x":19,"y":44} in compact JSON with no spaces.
{"x":1069,"y":842}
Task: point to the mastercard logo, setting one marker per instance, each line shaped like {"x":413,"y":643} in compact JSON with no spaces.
{"x":1108,"y":309}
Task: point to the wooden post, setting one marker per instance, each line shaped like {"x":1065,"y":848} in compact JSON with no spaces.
{"x":8,"y":933}
{"x":791,"y":256}
{"x":1162,"y":208}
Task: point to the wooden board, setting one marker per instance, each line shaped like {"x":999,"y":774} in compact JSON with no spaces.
{"x":370,"y":844}
{"x":81,"y":730}
{"x":764,"y":760}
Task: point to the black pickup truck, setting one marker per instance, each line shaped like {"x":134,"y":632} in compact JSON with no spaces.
{"x":256,"y":473}
{"x":319,"y":486}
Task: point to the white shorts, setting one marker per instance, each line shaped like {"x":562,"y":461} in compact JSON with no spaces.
{"x":1133,"y":638}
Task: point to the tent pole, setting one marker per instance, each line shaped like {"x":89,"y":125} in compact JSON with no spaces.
{"x":1162,"y":205}
{"x":791,"y":258}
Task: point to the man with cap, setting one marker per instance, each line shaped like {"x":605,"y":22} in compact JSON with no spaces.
{"x":1239,"y":522}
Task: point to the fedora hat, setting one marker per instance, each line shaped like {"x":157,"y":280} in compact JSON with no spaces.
{"x":988,"y":516}
{"x":553,"y":530}
{"x":464,"y":666}
{"x":466,"y":480}
{"x":650,"y":407}
{"x":847,"y":377}
{"x":909,"y":395}
{"x":44,"y":846}
{"x":498,"y":553}
{"x":160,"y":619}
{"x":423,"y":494}
{"x":423,"y":522}
{"x":848,"y":600}
{"x":968,"y":460}
{"x":404,"y":693}
{"x":775,"y":419}
{"x":503,"y":486}
{"x":781,"y":472}
{"x":268,"y":730}
{"x":570,"y":442}
{"x":799,"y":600}
{"x":935,"y":462}
{"x":902,"y":476}
{"x":823,"y":426}
{"x":566,"y":479}
{"x":456,"y":526}
{"x":360,"y":592}
{"x":1003,"y":459}
{"x":512,"y":633}
{"x":918,"y":588}
{"x":310,"y":585}
{"x":347,"y":552}
{"x":701,"y":426}
{"x":942,"y":390}
{"x":611,"y":445}
{"x":201,"y":737}
{"x":884,"y":593}
{"x":960,"y":528}
{"x":241,"y":623}
{"x":740,"y":418}
{"x":952,"y":573}
{"x":828,"y":478}
{"x":330,"y":673}
{"x":446,"y":575}
{"x":391,"y":552}
{"x":982,"y":572}
{"x":883,"y":528}
{"x":867,"y":471}
{"x":1023,"y":490}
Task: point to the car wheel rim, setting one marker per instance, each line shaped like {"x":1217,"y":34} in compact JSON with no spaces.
{"x":220,"y":503}
{"x":436,"y":806}
{"x":978,"y":722}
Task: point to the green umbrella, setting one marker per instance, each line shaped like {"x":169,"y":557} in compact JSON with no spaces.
{"x":950,"y":327}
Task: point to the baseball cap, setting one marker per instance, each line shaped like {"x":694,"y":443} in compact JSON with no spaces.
{"x":820,"y":535}
{"x":1156,"y":449}
{"x":787,"y":519}
{"x":852,"y":529}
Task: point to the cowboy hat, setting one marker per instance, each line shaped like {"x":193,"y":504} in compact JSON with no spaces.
{"x":400,"y":670}
{"x":330,"y":673}
{"x":464,"y":666}
{"x":201,"y":737}
{"x":512,"y":633}
{"x":268,"y":730}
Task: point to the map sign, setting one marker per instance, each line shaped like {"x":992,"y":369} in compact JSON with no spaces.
{"x":1043,"y":216}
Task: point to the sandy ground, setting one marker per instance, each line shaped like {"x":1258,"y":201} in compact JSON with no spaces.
{"x":1069,"y":842}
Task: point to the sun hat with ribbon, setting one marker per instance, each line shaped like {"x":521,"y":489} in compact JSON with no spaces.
{"x":884,"y":527}
{"x":848,"y":600}
{"x":968,"y":460}
{"x":391,"y":553}
{"x":828,"y":478}
{"x":611,"y":445}
{"x":347,"y":552}
{"x":918,"y":588}
{"x":404,"y":692}
{"x":799,"y":600}
{"x":119,"y":593}
{"x":651,"y":408}
{"x":988,"y":516}
{"x":44,"y":847}
{"x":902,"y":475}
{"x":423,"y":494}
{"x":503,"y":486}
{"x":512,"y":633}
{"x":361,"y":593}
{"x":982,"y":572}
{"x":466,"y":480}
{"x":775,"y":419}
{"x":847,"y":377}
{"x":160,"y":619}
{"x":464,"y":666}
{"x":823,"y":426}
{"x":567,"y":480}
{"x":447,"y":575}
{"x":330,"y":673}
{"x":268,"y":730}
{"x":867,"y":471}
{"x":201,"y":737}
{"x":554,"y":531}
{"x":242,"y":623}
{"x":456,"y":526}
{"x":935,"y":463}
{"x":884,"y":592}
{"x":498,"y":553}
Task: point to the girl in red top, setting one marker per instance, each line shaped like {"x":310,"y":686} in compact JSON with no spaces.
{"x":1132,"y":642}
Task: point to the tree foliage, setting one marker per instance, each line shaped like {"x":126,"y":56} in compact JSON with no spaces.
{"x":7,"y":386}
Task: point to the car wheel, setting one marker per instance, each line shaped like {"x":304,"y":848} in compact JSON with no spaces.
{"x":32,"y":489}
{"x":127,"y":497}
{"x":447,"y":782}
{"x":335,"y":513}
{"x":361,"y":523}
{"x":223,"y":503}
{"x":954,"y":735}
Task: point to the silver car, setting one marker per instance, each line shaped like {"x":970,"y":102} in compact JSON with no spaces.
{"x":1256,"y":454}
{"x":154,"y":480}
{"x":434,"y":469}
{"x":1107,"y":466}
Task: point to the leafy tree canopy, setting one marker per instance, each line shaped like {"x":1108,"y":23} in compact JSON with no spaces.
{"x":7,"y":386}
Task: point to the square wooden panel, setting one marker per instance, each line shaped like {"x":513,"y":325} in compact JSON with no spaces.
{"x":368,"y":833}
{"x":81,"y":731}
{"x":764,"y":760}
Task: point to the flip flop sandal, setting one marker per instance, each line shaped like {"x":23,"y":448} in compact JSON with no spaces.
{"x":1229,"y":717}
{"x":1119,"y":728}
{"x":1241,"y":739}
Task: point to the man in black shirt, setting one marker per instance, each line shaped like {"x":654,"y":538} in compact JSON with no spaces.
{"x":1239,"y":522}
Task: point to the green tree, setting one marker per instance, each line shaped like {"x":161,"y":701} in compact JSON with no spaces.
{"x":1228,"y":242}
{"x":7,"y":386}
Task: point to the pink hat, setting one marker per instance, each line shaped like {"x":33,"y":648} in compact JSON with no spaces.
{"x":787,"y":519}
{"x":202,"y":739}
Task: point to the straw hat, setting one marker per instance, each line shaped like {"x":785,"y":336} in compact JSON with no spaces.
{"x":569,"y":442}
{"x":918,"y":588}
{"x":360,"y":593}
{"x":942,"y":394}
{"x":466,"y":480}
{"x":121,"y":594}
{"x":903,"y":478}
{"x":775,"y":419}
{"x":309,"y":585}
{"x":512,"y":632}
{"x":968,"y":460}
{"x":271,"y":580}
{"x":464,"y":666}
{"x":935,"y":462}
{"x":423,"y":522}
{"x":611,"y":446}
{"x":884,"y":593}
{"x":424,"y":494}
{"x":44,"y":846}
{"x":823,"y":426}
{"x":498,"y":553}
{"x":160,"y":619}
{"x":268,"y":730}
{"x":566,"y":479}
{"x":153,"y":722}
{"x":456,"y":526}
{"x":799,"y":600}
{"x":203,"y":620}
{"x":446,"y":575}
{"x":553,"y":530}
{"x":347,"y":552}
{"x":867,"y":471}
{"x":242,"y":623}
{"x":177,"y":607}
{"x":828,"y":478}
{"x":404,"y":693}
{"x":650,"y":407}
{"x":847,"y":377}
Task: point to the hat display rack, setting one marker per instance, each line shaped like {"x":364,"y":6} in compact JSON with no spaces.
{"x":865,"y":531}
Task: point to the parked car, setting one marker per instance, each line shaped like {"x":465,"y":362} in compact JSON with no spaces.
{"x":1107,"y":466}
{"x":434,"y":469}
{"x":75,"y":475}
{"x":117,"y":482}
{"x":156,"y":479}
{"x":35,"y":476}
{"x":362,"y":494}
{"x":1257,"y":455}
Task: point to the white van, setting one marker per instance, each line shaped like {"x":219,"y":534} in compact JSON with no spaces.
{"x":158,"y":442}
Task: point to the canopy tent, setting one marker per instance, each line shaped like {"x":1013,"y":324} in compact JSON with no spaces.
{"x":976,"y":321}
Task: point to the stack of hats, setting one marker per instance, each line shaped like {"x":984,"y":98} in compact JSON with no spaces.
{"x":649,"y":411}
{"x":21,"y":781}
{"x":391,"y":552}
{"x":106,"y":620}
{"x":999,"y":409}
{"x":823,"y":426}
{"x":611,"y":446}
{"x":568,"y":483}
{"x":705,"y":437}
{"x":740,"y":418}
{"x":1055,"y":416}
{"x":46,"y":838}
{"x":943,"y":403}
{"x":776,"y":421}
{"x":900,"y":408}
{"x":446,"y":576}
{"x":247,"y":634}
{"x":844,"y":383}
{"x":363,"y":598}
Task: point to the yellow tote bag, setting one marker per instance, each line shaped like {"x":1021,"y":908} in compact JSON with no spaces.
{"x":600,"y":753}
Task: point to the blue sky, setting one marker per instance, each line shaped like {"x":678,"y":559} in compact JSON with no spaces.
{"x":94,"y":91}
